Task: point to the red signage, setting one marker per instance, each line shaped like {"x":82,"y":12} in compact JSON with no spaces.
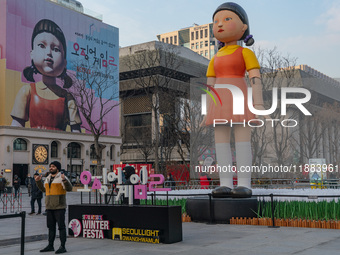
{"x":137,"y":168}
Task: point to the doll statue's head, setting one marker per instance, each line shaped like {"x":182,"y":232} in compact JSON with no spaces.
{"x":231,"y":24}
{"x":48,"y":52}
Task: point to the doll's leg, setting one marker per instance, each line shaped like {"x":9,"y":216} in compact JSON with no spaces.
{"x":223,"y":155}
{"x":243,"y":155}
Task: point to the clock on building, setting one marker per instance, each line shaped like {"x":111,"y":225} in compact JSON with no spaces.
{"x":40,"y":154}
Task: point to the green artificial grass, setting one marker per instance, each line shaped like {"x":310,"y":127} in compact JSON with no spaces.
{"x":322,"y":210}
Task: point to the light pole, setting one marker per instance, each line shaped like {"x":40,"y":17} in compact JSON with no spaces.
{"x":69,"y":154}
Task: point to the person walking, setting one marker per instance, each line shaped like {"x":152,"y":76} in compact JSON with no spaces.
{"x":170,"y":182}
{"x":28,"y":183}
{"x":36,"y":195}
{"x":16,"y":185}
{"x":55,"y":186}
{"x":2,"y":184}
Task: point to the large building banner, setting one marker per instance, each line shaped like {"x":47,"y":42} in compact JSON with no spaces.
{"x":52,"y":61}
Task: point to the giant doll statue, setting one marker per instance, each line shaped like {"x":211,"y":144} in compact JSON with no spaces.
{"x":229,"y":66}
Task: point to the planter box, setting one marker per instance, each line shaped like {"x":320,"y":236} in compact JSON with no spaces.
{"x":165,"y":219}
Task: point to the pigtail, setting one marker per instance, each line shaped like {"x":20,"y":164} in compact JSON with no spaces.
{"x":249,"y":40}
{"x":220,"y":44}
{"x":67,"y":79}
{"x":29,"y":71}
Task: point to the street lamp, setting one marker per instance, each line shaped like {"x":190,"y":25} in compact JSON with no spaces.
{"x":70,"y":155}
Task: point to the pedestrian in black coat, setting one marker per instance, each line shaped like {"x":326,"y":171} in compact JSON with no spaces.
{"x":36,"y":195}
{"x":16,"y":185}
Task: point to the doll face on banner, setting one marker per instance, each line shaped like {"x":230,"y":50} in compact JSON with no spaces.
{"x":228,"y":26}
{"x":48,"y":55}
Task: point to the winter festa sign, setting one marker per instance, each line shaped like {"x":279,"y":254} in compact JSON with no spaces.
{"x":95,"y":227}
{"x":92,"y":226}
{"x":140,"y":184}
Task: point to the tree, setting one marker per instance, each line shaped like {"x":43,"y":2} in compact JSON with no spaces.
{"x":155,"y":69}
{"x":277,"y":71}
{"x":193,"y":136}
{"x":96,"y":92}
{"x":329,"y":118}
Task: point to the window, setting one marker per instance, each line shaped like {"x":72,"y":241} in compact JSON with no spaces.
{"x":206,"y":53}
{"x":197,"y":45}
{"x":19,"y":145}
{"x":192,"y":36}
{"x":170,"y":39}
{"x":92,"y":152}
{"x":192,"y":46}
{"x":201,"y":52}
{"x":54,"y":149}
{"x":138,"y":120}
{"x":201,"y":44}
{"x":162,"y":39}
{"x":201,"y":34}
{"x":112,"y":152}
{"x":206,"y":33}
{"x":206,"y":44}
{"x":73,"y":150}
{"x":175,"y":39}
{"x":196,"y":35}
{"x":138,"y":128}
{"x":167,"y":40}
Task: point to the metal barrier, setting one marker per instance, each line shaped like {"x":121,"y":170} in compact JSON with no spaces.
{"x":295,"y":183}
{"x":23,"y":216}
{"x":8,"y":200}
{"x":178,"y":185}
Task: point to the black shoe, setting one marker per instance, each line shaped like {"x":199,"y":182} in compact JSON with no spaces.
{"x":61,"y":250}
{"x":47,"y":248}
{"x":31,"y":213}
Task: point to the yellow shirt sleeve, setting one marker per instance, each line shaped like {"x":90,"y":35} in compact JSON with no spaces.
{"x":211,"y":70}
{"x":250,"y":59}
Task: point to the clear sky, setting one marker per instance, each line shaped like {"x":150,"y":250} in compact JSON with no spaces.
{"x":306,"y":29}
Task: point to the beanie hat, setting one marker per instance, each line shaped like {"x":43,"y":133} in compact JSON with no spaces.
{"x":57,"y":164}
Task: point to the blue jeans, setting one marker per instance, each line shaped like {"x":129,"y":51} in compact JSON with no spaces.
{"x":16,"y":192}
{"x":32,"y":204}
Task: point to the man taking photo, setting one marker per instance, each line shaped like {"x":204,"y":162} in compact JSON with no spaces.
{"x":55,"y":186}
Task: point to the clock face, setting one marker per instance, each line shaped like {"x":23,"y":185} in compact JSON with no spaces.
{"x":40,"y":154}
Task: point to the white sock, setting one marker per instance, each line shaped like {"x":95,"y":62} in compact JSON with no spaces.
{"x":243,"y":159}
{"x":224,"y":160}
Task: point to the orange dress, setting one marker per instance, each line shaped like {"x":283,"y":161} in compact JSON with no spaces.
{"x":46,"y":114}
{"x":229,"y":69}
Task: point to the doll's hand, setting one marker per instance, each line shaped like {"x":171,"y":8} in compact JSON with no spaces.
{"x":261,"y":108}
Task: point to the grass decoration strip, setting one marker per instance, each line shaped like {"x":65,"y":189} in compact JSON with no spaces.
{"x":322,"y":210}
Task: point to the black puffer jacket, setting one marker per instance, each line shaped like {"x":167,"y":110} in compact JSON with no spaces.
{"x":36,"y":192}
